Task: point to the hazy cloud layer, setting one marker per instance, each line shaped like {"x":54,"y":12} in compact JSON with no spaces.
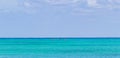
{"x":14,"y":5}
{"x":61,"y":1}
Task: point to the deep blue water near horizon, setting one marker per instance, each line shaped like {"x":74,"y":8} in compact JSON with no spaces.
{"x":59,"y":47}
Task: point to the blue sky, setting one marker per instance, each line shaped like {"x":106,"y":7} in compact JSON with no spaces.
{"x":59,"y":18}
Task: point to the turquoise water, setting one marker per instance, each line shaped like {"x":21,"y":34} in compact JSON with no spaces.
{"x":59,"y":48}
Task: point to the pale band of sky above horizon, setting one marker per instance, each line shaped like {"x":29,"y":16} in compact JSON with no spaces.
{"x":59,"y":18}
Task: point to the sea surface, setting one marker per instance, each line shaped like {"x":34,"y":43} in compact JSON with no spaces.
{"x":59,"y":47}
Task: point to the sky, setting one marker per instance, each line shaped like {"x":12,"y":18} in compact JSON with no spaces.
{"x":59,"y":18}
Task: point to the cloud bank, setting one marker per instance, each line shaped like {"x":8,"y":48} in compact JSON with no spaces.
{"x":22,"y":5}
{"x":89,"y":3}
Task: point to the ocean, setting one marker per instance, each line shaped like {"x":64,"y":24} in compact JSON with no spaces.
{"x":59,"y":47}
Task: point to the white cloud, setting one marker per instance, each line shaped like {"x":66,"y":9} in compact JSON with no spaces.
{"x":14,"y":5}
{"x":61,"y":1}
{"x":91,"y":6}
{"x":22,"y":5}
{"x":92,"y":3}
{"x":114,"y":3}
{"x":89,"y":3}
